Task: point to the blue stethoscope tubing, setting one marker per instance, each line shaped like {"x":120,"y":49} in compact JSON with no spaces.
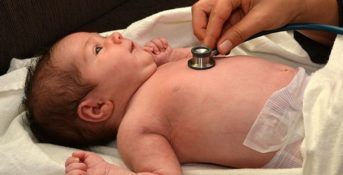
{"x":302,"y":26}
{"x":294,"y":26}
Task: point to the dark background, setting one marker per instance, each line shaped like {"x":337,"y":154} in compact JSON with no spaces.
{"x":29,"y":26}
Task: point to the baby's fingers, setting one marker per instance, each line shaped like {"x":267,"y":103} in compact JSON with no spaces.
{"x":152,"y":47}
{"x":161,"y":43}
{"x":148,"y":48}
{"x":71,"y":160}
{"x":76,"y":167}
{"x":73,"y":165}
{"x":165,"y":42}
{"x":80,"y":154}
{"x":77,"y":172}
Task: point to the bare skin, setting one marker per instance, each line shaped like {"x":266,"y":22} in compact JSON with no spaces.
{"x":194,"y":116}
{"x":180,"y":115}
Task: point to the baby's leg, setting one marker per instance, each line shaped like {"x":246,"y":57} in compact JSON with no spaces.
{"x":87,"y":163}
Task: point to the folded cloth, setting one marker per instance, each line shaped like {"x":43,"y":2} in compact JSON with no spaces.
{"x":323,"y":115}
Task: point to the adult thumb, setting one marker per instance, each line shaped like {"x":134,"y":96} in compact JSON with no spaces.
{"x":239,"y":32}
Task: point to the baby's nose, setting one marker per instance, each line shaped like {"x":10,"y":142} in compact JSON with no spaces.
{"x":116,"y":37}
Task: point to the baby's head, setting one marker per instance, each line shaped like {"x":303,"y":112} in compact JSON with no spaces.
{"x":77,"y":93}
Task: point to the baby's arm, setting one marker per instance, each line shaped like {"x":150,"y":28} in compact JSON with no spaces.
{"x":88,"y":163}
{"x":149,"y":152}
{"x":164,"y":53}
{"x":145,"y":158}
{"x":82,"y":162}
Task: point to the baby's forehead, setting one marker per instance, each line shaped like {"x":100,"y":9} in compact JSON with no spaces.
{"x":69,"y":49}
{"x":74,"y":39}
{"x":71,"y":44}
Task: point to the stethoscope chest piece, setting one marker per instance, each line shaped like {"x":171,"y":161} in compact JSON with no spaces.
{"x":201,"y":58}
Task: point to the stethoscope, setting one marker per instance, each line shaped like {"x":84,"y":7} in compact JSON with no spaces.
{"x":203,"y":57}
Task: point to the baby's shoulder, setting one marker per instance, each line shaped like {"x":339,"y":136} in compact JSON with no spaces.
{"x":146,"y":113}
{"x":155,"y":97}
{"x":153,"y":93}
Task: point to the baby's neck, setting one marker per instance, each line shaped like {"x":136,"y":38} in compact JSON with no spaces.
{"x":180,"y":53}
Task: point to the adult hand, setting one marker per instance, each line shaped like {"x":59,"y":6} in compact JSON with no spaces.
{"x":226,"y":23}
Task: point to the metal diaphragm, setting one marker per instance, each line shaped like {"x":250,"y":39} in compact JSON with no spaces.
{"x":201,"y":58}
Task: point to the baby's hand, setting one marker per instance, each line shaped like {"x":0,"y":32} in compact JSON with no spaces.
{"x":160,"y":49}
{"x":88,"y":163}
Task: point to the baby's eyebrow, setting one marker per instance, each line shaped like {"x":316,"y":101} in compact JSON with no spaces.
{"x":93,"y":38}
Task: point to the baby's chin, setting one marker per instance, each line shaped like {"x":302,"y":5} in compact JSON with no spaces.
{"x":151,"y":55}
{"x":147,"y":57}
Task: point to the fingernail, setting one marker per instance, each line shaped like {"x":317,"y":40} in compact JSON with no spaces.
{"x":225,"y":46}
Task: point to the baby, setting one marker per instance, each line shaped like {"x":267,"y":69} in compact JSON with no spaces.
{"x":246,"y":112}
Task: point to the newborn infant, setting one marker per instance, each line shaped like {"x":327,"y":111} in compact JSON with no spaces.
{"x":166,"y":114}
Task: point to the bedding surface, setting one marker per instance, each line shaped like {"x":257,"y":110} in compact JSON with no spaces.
{"x":323,"y":111}
{"x":22,"y":154}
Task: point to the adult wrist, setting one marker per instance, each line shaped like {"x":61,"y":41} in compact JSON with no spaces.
{"x":322,"y":12}
{"x":319,"y":11}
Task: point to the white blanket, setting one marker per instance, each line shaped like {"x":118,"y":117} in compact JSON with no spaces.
{"x":323,"y":116}
{"x":21,"y":154}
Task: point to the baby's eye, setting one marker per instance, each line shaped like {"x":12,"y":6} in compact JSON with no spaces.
{"x":97,"y":50}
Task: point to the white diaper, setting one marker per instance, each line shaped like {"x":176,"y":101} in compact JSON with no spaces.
{"x":279,"y":126}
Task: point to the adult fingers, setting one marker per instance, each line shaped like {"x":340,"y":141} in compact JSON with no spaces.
{"x":200,"y":13}
{"x":235,"y":17}
{"x":241,"y":31}
{"x":218,"y":17}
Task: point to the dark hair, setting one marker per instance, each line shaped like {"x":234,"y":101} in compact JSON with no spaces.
{"x":52,"y":96}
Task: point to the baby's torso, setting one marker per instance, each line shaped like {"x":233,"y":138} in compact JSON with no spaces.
{"x":206,"y":114}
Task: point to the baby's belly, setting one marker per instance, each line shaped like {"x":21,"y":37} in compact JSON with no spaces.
{"x":234,"y":85}
{"x":215,"y":108}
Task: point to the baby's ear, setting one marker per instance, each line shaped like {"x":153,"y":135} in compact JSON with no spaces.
{"x":94,"y":110}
